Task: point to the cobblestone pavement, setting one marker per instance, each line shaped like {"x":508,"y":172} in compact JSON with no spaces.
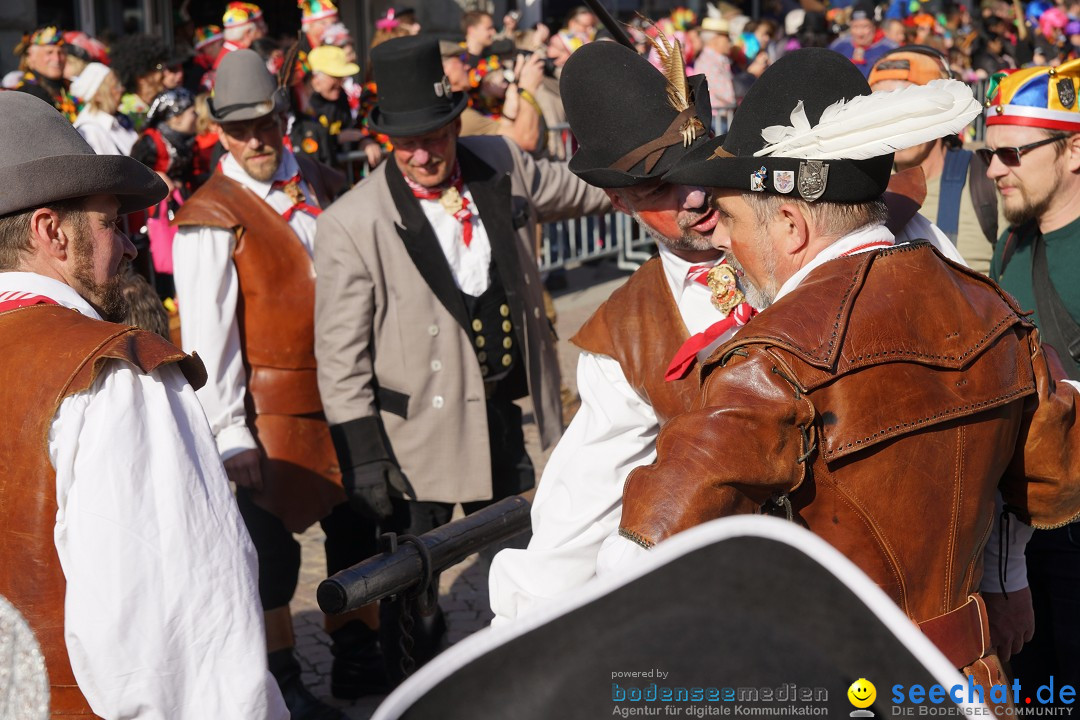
{"x":462,"y":588}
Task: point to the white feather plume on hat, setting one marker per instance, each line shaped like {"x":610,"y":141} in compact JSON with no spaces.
{"x":876,"y":124}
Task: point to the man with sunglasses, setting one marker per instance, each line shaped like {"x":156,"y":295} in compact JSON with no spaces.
{"x":245,"y":284}
{"x":1033,"y":149}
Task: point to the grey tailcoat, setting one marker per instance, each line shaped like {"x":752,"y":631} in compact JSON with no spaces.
{"x":390,"y":323}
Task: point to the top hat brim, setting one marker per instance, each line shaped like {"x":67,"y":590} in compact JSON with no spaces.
{"x":416,"y":122}
{"x":848,"y":181}
{"x":593,"y":163}
{"x":42,"y":181}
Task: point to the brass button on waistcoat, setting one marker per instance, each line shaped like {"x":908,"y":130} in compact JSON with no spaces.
{"x":504,"y":310}
{"x":477,"y":326}
{"x":507,"y":360}
{"x":506,"y":326}
{"x":507,"y":343}
{"x":480,"y":341}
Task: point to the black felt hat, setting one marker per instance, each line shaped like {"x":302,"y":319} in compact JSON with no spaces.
{"x":414,"y":93}
{"x":818,"y":77}
{"x":698,"y":625}
{"x":616,"y":102}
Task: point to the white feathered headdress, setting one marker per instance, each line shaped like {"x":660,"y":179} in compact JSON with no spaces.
{"x":876,"y":124}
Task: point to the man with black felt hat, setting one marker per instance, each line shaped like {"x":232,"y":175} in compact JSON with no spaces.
{"x":120,"y":540}
{"x":245,"y":285}
{"x":629,"y":134}
{"x":429,"y":316}
{"x":883,"y":394}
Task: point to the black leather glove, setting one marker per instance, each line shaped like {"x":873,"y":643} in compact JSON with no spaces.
{"x":368,"y":470}
{"x":368,"y":488}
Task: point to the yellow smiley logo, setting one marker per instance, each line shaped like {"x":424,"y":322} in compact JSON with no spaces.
{"x":862,"y":693}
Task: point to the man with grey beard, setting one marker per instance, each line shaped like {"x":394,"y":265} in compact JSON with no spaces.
{"x":683,"y":297}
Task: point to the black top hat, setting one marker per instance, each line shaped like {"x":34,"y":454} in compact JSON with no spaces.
{"x":616,"y":102}
{"x":818,"y":77}
{"x":414,"y":93}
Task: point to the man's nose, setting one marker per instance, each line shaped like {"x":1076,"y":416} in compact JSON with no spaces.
{"x":721,"y":239}
{"x":694,"y":198}
{"x":421,"y":156}
{"x":130,"y":251}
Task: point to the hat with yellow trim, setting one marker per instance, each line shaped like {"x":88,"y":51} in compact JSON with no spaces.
{"x":312,"y":10}
{"x":240,"y":13}
{"x":206,"y":35}
{"x":330,"y":60}
{"x":42,"y":36}
{"x":1043,"y":97}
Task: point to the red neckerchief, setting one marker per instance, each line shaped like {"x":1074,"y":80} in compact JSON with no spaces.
{"x":14,"y":299}
{"x":291,"y":187}
{"x":464,"y":215}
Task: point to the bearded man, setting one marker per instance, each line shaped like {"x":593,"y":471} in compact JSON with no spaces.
{"x":246,"y":290}
{"x":121,"y":542}
{"x":884,"y":393}
{"x":1033,"y":151}
{"x":640,"y":347}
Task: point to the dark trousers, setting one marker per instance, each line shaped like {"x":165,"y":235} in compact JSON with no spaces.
{"x":350,"y":538}
{"x":512,"y":472}
{"x":1053,"y":566}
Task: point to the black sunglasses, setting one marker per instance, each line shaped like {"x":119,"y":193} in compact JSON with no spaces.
{"x":1010,"y":156}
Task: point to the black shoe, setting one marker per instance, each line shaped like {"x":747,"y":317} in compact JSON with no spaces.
{"x":301,"y":703}
{"x":358,"y":668}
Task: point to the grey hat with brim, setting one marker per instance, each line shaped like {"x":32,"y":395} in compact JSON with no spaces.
{"x":244,"y":89}
{"x":44,"y":160}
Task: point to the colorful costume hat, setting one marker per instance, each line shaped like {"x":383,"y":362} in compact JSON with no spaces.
{"x":206,"y":35}
{"x":240,"y":13}
{"x":316,"y":10}
{"x":42,"y":36}
{"x":1042,"y":97}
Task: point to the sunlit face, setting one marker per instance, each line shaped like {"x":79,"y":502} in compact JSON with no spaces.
{"x":1028,"y":189}
{"x":47,"y":60}
{"x":98,"y":251}
{"x":483,"y":32}
{"x":862,"y":31}
{"x":316,"y":28}
{"x":110,"y":93}
{"x":747,"y":246}
{"x":428,"y":159}
{"x":327,"y":86}
{"x":172,"y":76}
{"x":456,"y":73}
{"x":255,"y":144}
{"x":678,"y":216}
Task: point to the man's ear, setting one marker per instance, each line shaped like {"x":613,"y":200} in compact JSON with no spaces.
{"x":47,"y":235}
{"x":617,"y":201}
{"x":792,"y":231}
{"x":1072,"y":152}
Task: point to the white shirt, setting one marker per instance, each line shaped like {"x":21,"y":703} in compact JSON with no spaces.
{"x":104,"y":132}
{"x":469,"y":265}
{"x":578,"y":504}
{"x":162,"y":617}
{"x":207,"y":291}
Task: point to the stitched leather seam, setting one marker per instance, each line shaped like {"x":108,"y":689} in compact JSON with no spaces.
{"x":883,"y":544}
{"x":1007,"y":320}
{"x":976,"y":555}
{"x":636,"y":538}
{"x":958,"y":468}
{"x":984,"y":405}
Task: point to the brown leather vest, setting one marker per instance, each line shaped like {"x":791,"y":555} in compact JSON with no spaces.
{"x":276,"y":315}
{"x":641,"y":328}
{"x":49,"y":353}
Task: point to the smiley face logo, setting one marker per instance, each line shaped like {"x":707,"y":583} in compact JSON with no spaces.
{"x":862,"y":693}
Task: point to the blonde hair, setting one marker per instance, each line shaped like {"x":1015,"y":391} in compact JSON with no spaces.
{"x":202,"y":114}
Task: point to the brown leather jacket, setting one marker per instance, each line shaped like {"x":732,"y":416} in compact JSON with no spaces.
{"x":882,"y":403}
{"x":301,"y":479}
{"x":51,"y":352}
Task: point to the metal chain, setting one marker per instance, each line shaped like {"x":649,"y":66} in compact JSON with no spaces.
{"x":407,"y":663}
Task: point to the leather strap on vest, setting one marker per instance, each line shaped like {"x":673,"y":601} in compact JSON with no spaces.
{"x":963,"y":634}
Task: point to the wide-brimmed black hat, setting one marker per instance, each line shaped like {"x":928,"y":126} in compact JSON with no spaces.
{"x":818,"y":78}
{"x":414,"y":93}
{"x":617,"y":105}
{"x":44,"y":160}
